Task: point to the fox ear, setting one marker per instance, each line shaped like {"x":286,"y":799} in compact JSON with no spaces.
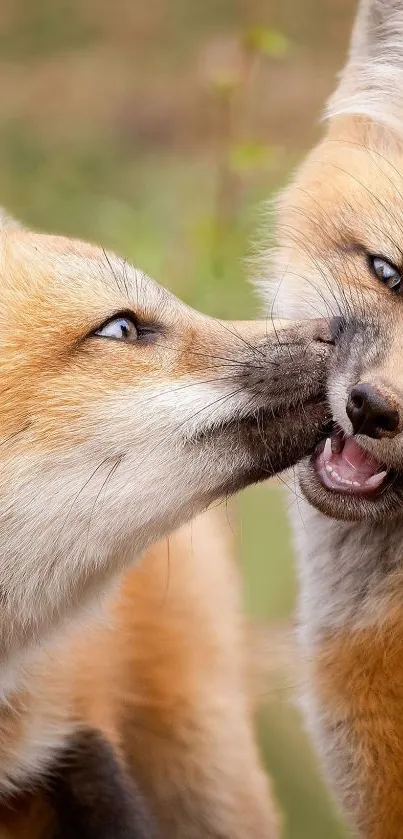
{"x":8,"y":222}
{"x":371,"y":85}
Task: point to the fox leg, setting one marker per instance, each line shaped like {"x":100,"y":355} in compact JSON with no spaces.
{"x":187,"y":719}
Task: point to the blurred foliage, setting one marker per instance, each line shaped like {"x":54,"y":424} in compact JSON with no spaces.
{"x":246,"y":157}
{"x":267,"y":41}
{"x":157,"y":129}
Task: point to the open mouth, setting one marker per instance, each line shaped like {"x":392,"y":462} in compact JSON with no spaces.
{"x":342,"y":466}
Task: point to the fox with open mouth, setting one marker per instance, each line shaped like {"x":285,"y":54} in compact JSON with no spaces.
{"x":340,"y":250}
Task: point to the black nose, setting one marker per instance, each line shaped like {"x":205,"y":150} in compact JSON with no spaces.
{"x":371,"y":412}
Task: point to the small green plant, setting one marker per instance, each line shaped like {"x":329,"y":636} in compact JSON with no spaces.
{"x":238,"y":157}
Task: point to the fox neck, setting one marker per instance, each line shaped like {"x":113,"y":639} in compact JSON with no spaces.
{"x":32,"y":617}
{"x":344,"y":570}
{"x":60,"y":559}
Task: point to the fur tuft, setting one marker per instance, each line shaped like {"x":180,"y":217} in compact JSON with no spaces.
{"x":371,"y":85}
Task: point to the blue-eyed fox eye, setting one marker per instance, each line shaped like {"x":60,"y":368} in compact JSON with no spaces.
{"x":118,"y":328}
{"x":386,"y":272}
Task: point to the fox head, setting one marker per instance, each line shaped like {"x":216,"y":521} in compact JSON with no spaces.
{"x":340,"y":251}
{"x":123,"y":413}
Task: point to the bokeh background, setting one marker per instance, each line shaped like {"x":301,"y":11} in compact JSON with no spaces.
{"x":157,"y":128}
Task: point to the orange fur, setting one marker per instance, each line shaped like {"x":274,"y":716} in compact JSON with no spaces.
{"x":165,"y":678}
{"x":109,"y":440}
{"x":71,"y":289}
{"x":359,"y":679}
{"x":347,"y":201}
{"x":344,"y":208}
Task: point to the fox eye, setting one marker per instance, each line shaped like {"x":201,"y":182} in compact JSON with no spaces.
{"x":119,"y":328}
{"x":386,"y":272}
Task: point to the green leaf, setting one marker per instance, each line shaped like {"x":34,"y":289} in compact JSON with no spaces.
{"x":268,"y":41}
{"x":245,"y":157}
{"x":224,"y":86}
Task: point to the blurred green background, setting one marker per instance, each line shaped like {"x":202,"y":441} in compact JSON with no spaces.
{"x":157,"y":128}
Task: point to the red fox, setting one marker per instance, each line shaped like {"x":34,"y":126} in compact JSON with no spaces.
{"x":340,"y":250}
{"x":124,"y":413}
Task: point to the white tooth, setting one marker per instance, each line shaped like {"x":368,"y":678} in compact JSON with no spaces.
{"x":328,"y":468}
{"x":356,"y":484}
{"x":327,"y":451}
{"x":346,"y":481}
{"x":375,"y":480}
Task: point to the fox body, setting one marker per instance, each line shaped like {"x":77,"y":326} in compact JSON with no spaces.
{"x":124,"y":413}
{"x":340,"y":250}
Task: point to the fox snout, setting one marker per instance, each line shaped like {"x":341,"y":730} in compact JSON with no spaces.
{"x":324,"y":330}
{"x":365,"y":382}
{"x":275,"y":364}
{"x":283,"y":379}
{"x":358,"y":472}
{"x":289,"y":365}
{"x":373,"y":411}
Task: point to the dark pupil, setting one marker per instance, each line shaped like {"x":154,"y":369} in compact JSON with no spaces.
{"x":125,"y":328}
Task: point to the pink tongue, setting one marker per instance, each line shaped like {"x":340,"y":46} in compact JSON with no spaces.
{"x":353,"y":459}
{"x":343,"y":466}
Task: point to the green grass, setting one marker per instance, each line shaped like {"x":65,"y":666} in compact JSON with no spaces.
{"x":160,"y":212}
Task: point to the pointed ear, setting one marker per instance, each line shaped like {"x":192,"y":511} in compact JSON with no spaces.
{"x":8,"y":222}
{"x":371,"y":85}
